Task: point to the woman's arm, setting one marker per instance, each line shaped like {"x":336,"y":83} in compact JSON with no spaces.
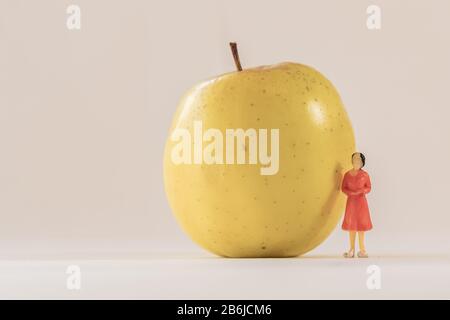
{"x":345,"y":189}
{"x":367,"y":185}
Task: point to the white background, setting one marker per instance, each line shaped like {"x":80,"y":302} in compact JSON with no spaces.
{"x":84,"y":116}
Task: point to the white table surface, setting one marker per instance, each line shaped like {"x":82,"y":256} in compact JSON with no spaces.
{"x":203,"y":276}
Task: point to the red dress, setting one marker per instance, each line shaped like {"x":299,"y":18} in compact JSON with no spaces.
{"x":357,"y":216}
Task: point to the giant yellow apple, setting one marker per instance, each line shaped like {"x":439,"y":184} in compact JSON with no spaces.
{"x":254,"y":161}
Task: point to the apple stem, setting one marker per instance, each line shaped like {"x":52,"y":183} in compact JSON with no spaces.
{"x":234,"y":50}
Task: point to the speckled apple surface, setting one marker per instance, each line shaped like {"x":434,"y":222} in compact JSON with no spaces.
{"x":234,"y":211}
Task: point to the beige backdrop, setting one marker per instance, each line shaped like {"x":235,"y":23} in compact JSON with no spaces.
{"x":84,"y":114}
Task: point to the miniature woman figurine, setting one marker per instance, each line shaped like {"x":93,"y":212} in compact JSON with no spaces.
{"x":355,"y":184}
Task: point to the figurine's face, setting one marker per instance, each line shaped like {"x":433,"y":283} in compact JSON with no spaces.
{"x":357,"y":162}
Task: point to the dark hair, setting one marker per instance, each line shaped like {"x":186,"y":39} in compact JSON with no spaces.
{"x":363,"y":158}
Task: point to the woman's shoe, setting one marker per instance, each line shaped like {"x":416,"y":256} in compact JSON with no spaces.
{"x":349,"y":254}
{"x":362,"y":254}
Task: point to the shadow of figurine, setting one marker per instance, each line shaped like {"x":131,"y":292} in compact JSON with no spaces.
{"x":333,"y":202}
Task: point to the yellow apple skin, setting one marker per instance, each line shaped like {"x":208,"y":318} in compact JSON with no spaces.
{"x":232,"y":210}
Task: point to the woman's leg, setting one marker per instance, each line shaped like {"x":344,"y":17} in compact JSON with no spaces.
{"x":352,"y":240}
{"x":351,"y":253}
{"x":362,"y":247}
